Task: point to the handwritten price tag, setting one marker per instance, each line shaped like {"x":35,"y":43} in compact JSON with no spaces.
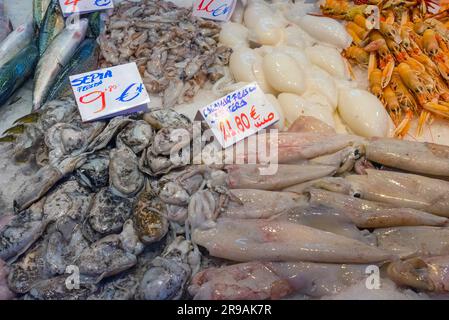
{"x":110,"y":92}
{"x":239,"y":114}
{"x":84,"y":6}
{"x":220,"y":10}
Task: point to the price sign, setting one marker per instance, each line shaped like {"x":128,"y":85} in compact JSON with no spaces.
{"x":110,"y":92}
{"x":84,"y":6}
{"x":220,"y":10}
{"x":239,"y":114}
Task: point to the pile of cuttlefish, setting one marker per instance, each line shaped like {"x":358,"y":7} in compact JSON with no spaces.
{"x":111,"y":215}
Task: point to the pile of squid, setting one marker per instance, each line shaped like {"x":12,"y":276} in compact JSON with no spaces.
{"x":112,"y":205}
{"x":407,"y":55}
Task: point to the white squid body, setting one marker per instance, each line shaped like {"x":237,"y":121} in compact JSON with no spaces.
{"x":283,"y":73}
{"x":363,"y":113}
{"x":266,"y":27}
{"x":320,"y":83}
{"x":326,"y":30}
{"x":296,"y":37}
{"x":297,"y":54}
{"x":280,"y":125}
{"x":246,"y":66}
{"x":294,"y":106}
{"x":328,"y":59}
{"x":234,"y":35}
{"x":255,"y":11}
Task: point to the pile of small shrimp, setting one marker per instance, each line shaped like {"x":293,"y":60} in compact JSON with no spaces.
{"x":176,"y":53}
{"x":407,"y":55}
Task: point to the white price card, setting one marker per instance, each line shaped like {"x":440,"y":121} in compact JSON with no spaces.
{"x":110,"y":92}
{"x":239,"y":114}
{"x":84,"y":6}
{"x":220,"y":10}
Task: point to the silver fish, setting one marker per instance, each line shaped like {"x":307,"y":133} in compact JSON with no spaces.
{"x":16,"y":41}
{"x":57,"y":55}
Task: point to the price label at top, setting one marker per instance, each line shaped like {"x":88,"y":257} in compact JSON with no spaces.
{"x":239,"y":114}
{"x":84,"y":6}
{"x":110,"y":92}
{"x":220,"y":10}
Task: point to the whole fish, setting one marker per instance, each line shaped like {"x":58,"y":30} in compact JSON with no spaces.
{"x":85,"y":59}
{"x":39,"y":9}
{"x":5,"y":23}
{"x":51,"y":26}
{"x":56,"y":58}
{"x":14,"y":73}
{"x":16,"y":41}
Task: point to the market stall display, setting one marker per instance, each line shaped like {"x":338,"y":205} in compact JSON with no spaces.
{"x":134,"y":206}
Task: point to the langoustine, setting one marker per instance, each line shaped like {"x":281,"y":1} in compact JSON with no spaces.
{"x":248,"y":240}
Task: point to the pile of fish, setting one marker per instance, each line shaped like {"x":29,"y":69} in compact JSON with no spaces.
{"x":48,"y":48}
{"x":176,"y":53}
{"x":111,"y":214}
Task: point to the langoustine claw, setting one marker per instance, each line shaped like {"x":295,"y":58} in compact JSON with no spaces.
{"x":425,"y":158}
{"x":273,"y":280}
{"x":429,"y":274}
{"x":249,"y":240}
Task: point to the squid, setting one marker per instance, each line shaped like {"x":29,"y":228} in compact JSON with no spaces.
{"x":422,"y":273}
{"x":261,"y":204}
{"x":293,"y":147}
{"x":419,"y":157}
{"x":369,"y":214}
{"x":273,"y":280}
{"x":249,"y":176}
{"x":328,"y":219}
{"x":414,"y":241}
{"x":311,"y":124}
{"x":292,"y":207}
{"x":402,"y":190}
{"x":269,"y":240}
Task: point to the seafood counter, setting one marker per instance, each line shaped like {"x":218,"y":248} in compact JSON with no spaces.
{"x":106,"y":210}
